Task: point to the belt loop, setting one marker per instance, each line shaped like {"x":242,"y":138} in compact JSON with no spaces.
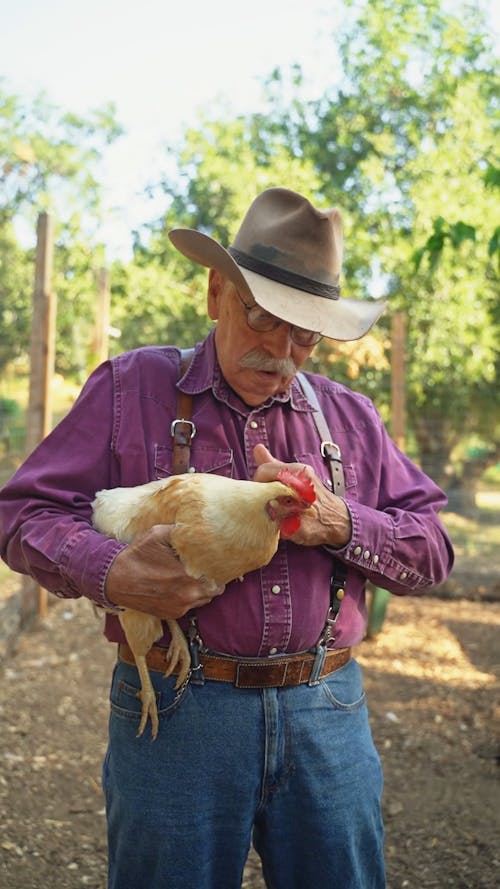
{"x":318,"y":664}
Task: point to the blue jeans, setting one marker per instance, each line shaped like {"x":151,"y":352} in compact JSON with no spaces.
{"x":293,"y":769}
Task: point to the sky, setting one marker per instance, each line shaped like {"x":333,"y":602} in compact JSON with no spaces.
{"x":161,"y":62}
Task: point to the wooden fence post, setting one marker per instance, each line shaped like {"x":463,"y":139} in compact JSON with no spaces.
{"x":42,"y":352}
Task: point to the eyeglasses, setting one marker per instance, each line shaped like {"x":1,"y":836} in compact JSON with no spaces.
{"x":261,"y":321}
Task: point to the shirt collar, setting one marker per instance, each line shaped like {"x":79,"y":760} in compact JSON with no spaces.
{"x":204,"y":373}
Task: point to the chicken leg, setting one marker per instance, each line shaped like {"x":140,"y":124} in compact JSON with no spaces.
{"x":142,"y":631}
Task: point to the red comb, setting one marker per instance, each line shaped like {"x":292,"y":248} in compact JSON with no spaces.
{"x":299,"y":481}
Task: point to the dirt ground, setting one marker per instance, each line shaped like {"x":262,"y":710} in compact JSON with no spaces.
{"x":432,"y":677}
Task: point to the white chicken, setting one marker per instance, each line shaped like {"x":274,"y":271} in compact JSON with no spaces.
{"x":224,"y":528}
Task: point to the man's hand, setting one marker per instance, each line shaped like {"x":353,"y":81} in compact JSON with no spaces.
{"x":327,"y":522}
{"x":148,"y":576}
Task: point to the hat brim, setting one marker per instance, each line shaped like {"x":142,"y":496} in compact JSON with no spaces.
{"x":339,"y":319}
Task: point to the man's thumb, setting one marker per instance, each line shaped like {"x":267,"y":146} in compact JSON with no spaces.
{"x":262,"y":455}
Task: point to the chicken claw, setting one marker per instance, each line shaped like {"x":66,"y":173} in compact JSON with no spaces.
{"x":178,"y":655}
{"x":147,"y":698}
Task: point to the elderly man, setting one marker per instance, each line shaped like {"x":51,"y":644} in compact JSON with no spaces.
{"x":272,"y":744}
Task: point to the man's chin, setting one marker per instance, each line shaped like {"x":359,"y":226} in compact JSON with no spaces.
{"x":263,"y":386}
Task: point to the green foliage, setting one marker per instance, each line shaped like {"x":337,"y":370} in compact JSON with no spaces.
{"x":48,"y":161}
{"x":210,"y":193}
{"x":48,"y":157}
{"x":150,"y":306}
{"x":415,"y":120}
{"x":16,"y":288}
{"x":8,"y":407}
{"x":442,"y":232}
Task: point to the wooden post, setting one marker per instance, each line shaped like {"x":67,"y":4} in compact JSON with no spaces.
{"x":39,"y":418}
{"x":42,"y":338}
{"x":398,"y":395}
{"x":100,"y":346}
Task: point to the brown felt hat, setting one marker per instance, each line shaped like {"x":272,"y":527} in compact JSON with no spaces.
{"x":287,"y":256}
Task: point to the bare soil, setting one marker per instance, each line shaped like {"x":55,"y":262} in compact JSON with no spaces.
{"x":432,"y":677}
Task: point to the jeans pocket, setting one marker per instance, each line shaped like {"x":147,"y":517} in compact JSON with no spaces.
{"x":344,"y":689}
{"x":125,"y":688}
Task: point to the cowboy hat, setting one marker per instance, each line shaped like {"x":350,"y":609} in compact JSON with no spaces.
{"x":287,"y":256}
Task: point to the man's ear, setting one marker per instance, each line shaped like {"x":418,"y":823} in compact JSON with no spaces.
{"x":215,"y":288}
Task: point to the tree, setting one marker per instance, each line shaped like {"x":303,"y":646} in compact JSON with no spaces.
{"x":48,"y":161}
{"x":406,"y":137}
{"x":49,"y":157}
{"x":16,"y":289}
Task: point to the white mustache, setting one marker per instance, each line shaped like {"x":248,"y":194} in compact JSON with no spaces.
{"x":256,"y":360}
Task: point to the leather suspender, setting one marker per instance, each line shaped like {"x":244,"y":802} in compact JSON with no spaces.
{"x":182,"y":429}
{"x":331,"y":453}
{"x":329,"y":450}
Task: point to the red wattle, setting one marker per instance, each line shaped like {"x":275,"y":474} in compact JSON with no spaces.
{"x":289,"y":525}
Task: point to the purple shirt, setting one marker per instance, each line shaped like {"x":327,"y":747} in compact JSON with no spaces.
{"x":118,"y":434}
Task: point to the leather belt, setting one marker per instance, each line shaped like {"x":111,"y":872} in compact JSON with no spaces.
{"x":280,"y":670}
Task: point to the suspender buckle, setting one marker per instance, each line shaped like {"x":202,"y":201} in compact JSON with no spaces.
{"x":182,"y":430}
{"x":325,"y":447}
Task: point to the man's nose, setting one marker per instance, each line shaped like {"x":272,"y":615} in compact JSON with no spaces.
{"x":279,"y":341}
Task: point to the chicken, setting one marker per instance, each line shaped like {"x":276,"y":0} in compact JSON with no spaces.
{"x":224,"y":528}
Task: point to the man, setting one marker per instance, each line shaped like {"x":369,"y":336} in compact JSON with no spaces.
{"x":289,"y":761}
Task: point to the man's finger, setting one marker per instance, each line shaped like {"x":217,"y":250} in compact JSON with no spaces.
{"x":262,"y":455}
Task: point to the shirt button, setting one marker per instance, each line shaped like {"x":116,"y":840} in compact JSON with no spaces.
{"x":254,"y":424}
{"x":376,"y":559}
{"x":366,"y":554}
{"x":403,"y":575}
{"x":357,"y":551}
{"x":276,"y":589}
{"x":273,"y":651}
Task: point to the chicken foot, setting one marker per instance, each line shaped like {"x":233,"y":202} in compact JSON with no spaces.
{"x":147,"y":697}
{"x":141,"y":630}
{"x":178,"y":654}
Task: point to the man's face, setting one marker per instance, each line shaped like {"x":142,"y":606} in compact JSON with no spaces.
{"x":256,"y":365}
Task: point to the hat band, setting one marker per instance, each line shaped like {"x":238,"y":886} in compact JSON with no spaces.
{"x":283,"y":276}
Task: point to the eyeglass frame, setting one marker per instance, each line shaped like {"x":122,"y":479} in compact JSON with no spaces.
{"x":276,"y":323}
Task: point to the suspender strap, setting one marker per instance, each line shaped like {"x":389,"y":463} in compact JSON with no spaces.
{"x":182,"y":429}
{"x":329,"y":450}
{"x":331,"y":453}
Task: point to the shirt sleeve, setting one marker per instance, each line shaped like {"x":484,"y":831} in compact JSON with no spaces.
{"x":46,"y":508}
{"x":400,"y":544}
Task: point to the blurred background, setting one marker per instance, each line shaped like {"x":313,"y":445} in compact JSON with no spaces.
{"x":118,"y":123}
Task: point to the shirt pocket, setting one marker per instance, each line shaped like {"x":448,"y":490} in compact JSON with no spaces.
{"x":320,"y":467}
{"x":203,"y":458}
